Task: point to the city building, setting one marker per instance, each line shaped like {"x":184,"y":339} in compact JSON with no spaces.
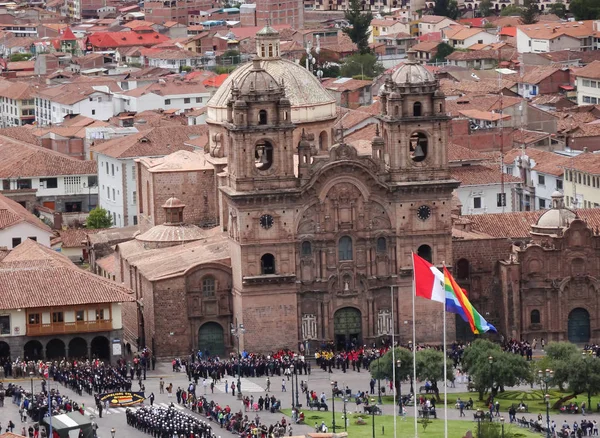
{"x":587,"y":82}
{"x":162,"y":11}
{"x":50,"y":324}
{"x":17,"y":224}
{"x":289,"y":12}
{"x":18,"y":103}
{"x":555,"y":36}
{"x":582,"y":181}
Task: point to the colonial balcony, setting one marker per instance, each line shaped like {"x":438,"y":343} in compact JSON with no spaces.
{"x":59,"y":328}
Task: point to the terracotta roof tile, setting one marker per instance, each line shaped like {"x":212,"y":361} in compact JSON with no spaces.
{"x":35,"y":276}
{"x":462,"y":33}
{"x":510,"y":225}
{"x":19,"y":159}
{"x":426,"y":46}
{"x":345,"y":84}
{"x":110,"y":263}
{"x":12,"y":213}
{"x":73,"y":237}
{"x":549,"y":31}
{"x":458,"y":153}
{"x":587,"y":162}
{"x":537,"y":74}
{"x":480,"y":175}
{"x":156,"y":141}
{"x":591,"y":70}
{"x":545,"y":162}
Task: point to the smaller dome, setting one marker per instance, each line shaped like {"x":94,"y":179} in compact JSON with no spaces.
{"x":412,"y":73}
{"x":173,"y":203}
{"x":256,"y":79}
{"x":557,"y":194}
{"x":267,"y":31}
{"x":556,"y":218}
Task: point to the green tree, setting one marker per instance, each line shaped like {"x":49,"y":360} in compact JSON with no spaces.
{"x":511,"y":10}
{"x":430,"y":366}
{"x":584,"y":376}
{"x":443,"y":50}
{"x":16,"y":57}
{"x":98,"y":218}
{"x":446,"y":8}
{"x":382,"y":368}
{"x":559,"y":9}
{"x":585,"y":9}
{"x":485,"y":8}
{"x":358,"y":30}
{"x":530,"y":12}
{"x":505,"y":369}
{"x":231,"y":57}
{"x":365,"y":64}
{"x":559,"y":356}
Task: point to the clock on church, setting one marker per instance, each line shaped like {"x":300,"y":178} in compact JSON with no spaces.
{"x":423,"y":212}
{"x":266,"y":221}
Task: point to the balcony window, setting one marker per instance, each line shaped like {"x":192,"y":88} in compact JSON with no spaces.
{"x":57,"y":317}
{"x":80,"y":315}
{"x":99,"y":314}
{"x":34,"y":319}
{"x":5,"y":325}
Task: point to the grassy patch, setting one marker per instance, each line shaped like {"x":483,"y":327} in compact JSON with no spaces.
{"x":384,"y":425}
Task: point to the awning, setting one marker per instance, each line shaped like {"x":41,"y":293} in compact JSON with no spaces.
{"x":566,"y":87}
{"x":63,"y":423}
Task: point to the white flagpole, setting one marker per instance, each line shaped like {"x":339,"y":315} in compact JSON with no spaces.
{"x":414,"y":344}
{"x":393,"y":357}
{"x":445,"y":368}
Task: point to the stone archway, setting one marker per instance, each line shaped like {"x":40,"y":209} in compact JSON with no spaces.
{"x":33,"y":350}
{"x":211,"y":339}
{"x":55,"y":349}
{"x":78,"y":348}
{"x":579,"y":326}
{"x":347,"y":327}
{"x":100,"y":347}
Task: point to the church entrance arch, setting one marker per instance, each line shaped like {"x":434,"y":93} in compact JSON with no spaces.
{"x":579,"y":326}
{"x":347,"y":327}
{"x":211,"y":339}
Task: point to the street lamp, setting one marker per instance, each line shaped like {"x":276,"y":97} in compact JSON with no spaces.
{"x":345,"y":415}
{"x":502,"y":421}
{"x":491,"y":361}
{"x":237,"y":332}
{"x":297,"y":392}
{"x":479,"y":415}
{"x":545,"y":381}
{"x":292,"y":372}
{"x":587,"y":372}
{"x":373,"y":415}
{"x":112,"y":432}
{"x":378,"y":376}
{"x":398,"y":365}
{"x":31,"y":374}
{"x":333,"y":406}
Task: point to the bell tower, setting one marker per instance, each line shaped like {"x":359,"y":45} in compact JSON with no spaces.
{"x":415,"y":125}
{"x":260,"y":131}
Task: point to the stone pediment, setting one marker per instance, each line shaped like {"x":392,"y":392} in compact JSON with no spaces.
{"x":343,"y":151}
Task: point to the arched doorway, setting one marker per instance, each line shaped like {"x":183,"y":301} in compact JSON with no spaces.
{"x":55,"y":349}
{"x":211,"y":339}
{"x":4,"y":352}
{"x":347,"y":327}
{"x":579,"y":326}
{"x":425,"y":252}
{"x":100,"y":347}
{"x":78,"y":348}
{"x":323,"y":141}
{"x":33,"y":350}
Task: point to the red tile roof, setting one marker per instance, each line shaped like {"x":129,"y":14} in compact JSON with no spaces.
{"x":12,"y":213}
{"x":458,"y":153}
{"x":480,"y":175}
{"x":545,"y":162}
{"x":33,"y":276}
{"x":24,"y":160}
{"x":111,"y":40}
{"x":215,"y":81}
{"x":73,"y":237}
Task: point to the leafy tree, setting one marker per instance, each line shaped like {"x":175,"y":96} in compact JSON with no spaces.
{"x":361,"y":64}
{"x":559,"y":9}
{"x":559,"y":356}
{"x":511,"y":10}
{"x":231,"y":57}
{"x":382,"y":368}
{"x":585,"y":9}
{"x":485,"y":8}
{"x":506,"y":369}
{"x":446,"y":8}
{"x":443,"y":50}
{"x":530,"y":12}
{"x":98,"y":218}
{"x":430,"y":366}
{"x":584,"y":376}
{"x":358,"y":31}
{"x":16,"y":57}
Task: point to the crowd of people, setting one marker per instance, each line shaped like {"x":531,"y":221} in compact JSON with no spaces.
{"x":162,"y":422}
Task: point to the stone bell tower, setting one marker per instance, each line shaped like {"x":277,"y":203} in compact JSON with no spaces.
{"x":415,"y":125}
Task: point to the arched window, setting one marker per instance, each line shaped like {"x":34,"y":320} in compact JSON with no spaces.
{"x":418,"y":145}
{"x":262,"y":117}
{"x":462,"y":269}
{"x":345,"y":248}
{"x":208,"y":286}
{"x":323,"y":141}
{"x":263,"y":52}
{"x":417,"y":109}
{"x":425,"y":252}
{"x":270,"y":50}
{"x":267,"y":264}
{"x":535,"y":316}
{"x":381,"y":244}
{"x":263,"y":155}
{"x":396,"y":111}
{"x":306,"y":248}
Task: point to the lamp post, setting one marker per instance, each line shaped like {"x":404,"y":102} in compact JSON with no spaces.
{"x":398,"y":365}
{"x":373,"y":415}
{"x":491,"y":361}
{"x":479,"y":415}
{"x":31,"y":374}
{"x":502,"y":421}
{"x":112,"y":432}
{"x":237,"y":332}
{"x":297,"y":392}
{"x":333,"y":406}
{"x":545,"y":382}
{"x":378,"y":376}
{"x":585,"y":361}
{"x":292,"y":372}
{"x":345,"y":415}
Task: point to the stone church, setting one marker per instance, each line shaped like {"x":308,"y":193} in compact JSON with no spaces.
{"x":315,"y":239}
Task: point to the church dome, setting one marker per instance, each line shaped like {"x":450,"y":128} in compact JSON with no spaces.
{"x":310,"y":101}
{"x":256,"y":80}
{"x":412,"y":73}
{"x":555,"y":219}
{"x":173,"y":203}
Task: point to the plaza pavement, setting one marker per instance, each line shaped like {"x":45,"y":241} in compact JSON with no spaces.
{"x":318,"y":380}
